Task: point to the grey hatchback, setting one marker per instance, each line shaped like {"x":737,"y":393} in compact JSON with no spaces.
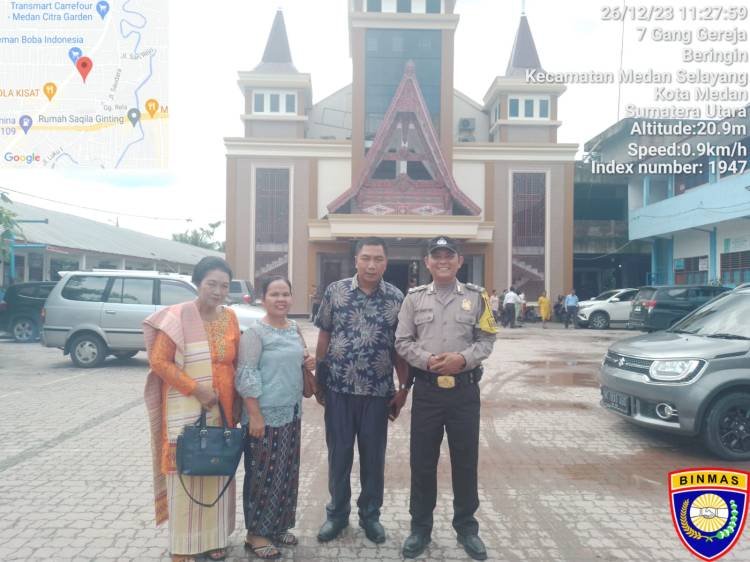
{"x":692,"y":379}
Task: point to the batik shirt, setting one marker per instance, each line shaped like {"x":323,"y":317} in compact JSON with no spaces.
{"x":362,"y":327}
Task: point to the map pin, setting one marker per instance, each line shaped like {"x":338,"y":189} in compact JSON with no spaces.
{"x":102,"y":7}
{"x":25,"y":121}
{"x":134,"y":115}
{"x":84,"y":65}
{"x":151,"y":106}
{"x":75,"y":54}
{"x":50,"y":89}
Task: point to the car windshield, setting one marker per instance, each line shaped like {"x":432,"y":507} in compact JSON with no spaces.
{"x":605,"y":296}
{"x":724,"y":317}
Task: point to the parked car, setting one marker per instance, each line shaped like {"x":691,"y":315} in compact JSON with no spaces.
{"x":21,"y":309}
{"x":609,"y":307}
{"x":92,"y":314}
{"x":692,"y":379}
{"x":659,"y":307}
{"x":247,"y":313}
{"x":240,"y":291}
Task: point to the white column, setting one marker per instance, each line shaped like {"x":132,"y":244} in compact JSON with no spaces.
{"x":82,"y":263}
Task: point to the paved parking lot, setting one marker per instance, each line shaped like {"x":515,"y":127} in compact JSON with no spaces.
{"x":560,"y":479}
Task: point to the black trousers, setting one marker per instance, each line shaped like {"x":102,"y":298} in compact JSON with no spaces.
{"x":456,"y":412}
{"x":571,"y":313}
{"x":364,"y":419}
{"x":510,"y":315}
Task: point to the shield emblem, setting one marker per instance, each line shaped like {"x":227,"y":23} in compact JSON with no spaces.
{"x":709,"y":508}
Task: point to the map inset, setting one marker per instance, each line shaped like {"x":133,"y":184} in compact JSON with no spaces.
{"x":84,"y":84}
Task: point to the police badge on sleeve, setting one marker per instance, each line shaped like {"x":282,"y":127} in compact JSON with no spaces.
{"x":709,"y":508}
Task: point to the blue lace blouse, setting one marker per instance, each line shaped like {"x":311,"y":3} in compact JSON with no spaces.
{"x":270,"y":369}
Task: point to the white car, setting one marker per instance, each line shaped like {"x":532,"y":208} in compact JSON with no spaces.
{"x":247,"y":313}
{"x":609,"y":307}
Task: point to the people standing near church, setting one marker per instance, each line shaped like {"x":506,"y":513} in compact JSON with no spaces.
{"x":445,"y":331}
{"x":545,"y":309}
{"x":269,"y":380}
{"x":357,"y":320}
{"x":495,"y":304}
{"x":571,"y":308}
{"x":509,"y":305}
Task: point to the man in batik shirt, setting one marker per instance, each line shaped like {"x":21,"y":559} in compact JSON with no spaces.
{"x":357,"y":320}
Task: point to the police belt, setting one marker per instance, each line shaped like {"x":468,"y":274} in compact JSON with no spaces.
{"x":449,"y":381}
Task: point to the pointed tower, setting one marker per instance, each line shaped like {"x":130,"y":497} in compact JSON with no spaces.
{"x":277,"y":96}
{"x":521,"y":110}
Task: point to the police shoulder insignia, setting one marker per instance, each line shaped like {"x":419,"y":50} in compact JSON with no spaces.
{"x":417,"y":289}
{"x":709,"y":507}
{"x":474,"y":287}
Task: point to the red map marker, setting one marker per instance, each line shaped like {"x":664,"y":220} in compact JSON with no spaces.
{"x":84,"y":65}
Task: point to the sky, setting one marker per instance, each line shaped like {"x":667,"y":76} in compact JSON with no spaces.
{"x":210,"y":42}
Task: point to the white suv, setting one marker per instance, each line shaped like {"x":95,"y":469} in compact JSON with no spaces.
{"x":609,"y":307}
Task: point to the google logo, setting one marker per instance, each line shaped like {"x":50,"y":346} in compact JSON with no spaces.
{"x":28,"y":158}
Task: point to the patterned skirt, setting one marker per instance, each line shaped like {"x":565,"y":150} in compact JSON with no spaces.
{"x":269,"y":496}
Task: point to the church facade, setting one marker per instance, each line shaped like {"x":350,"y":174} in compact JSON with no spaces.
{"x":402,"y":154}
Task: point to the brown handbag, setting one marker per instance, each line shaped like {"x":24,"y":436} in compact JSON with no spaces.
{"x":309,"y":386}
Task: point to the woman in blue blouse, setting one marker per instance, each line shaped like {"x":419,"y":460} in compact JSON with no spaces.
{"x":269,"y":379}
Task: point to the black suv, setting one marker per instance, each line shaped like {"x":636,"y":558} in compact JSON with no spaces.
{"x":20,"y":310}
{"x":658,"y":307}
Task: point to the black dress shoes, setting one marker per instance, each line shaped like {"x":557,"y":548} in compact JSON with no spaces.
{"x":414,"y":545}
{"x":331,"y":529}
{"x":473,"y":546}
{"x":373,"y":530}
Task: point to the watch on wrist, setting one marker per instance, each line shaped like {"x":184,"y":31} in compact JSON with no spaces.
{"x":403,"y":386}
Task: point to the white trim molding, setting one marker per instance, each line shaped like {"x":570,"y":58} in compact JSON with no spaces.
{"x":472,"y":229}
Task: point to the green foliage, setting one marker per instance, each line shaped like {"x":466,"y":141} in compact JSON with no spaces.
{"x":201,"y":237}
{"x":8,"y":225}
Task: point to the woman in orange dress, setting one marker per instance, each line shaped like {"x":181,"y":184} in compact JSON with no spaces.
{"x":192,"y":351}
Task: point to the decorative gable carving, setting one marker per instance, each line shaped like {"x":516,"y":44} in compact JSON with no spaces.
{"x":405,"y":172}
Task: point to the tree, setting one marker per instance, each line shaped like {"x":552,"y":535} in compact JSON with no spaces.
{"x":8,"y":225}
{"x":201,"y":237}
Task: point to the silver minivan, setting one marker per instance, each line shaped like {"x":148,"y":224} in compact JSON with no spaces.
{"x":692,"y":379}
{"x":92,"y":314}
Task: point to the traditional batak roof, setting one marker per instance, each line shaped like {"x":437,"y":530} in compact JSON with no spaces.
{"x":405,"y":171}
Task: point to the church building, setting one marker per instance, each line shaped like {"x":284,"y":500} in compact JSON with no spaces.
{"x":402,"y":154}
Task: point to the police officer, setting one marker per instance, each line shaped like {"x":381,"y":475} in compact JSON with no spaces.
{"x":445,"y":330}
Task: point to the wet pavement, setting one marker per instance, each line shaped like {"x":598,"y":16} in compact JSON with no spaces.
{"x":560,"y":478}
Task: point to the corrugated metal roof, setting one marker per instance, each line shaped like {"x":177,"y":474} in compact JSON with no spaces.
{"x":70,"y":231}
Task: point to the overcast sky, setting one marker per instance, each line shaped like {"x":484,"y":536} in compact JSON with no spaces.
{"x":211,"y":42}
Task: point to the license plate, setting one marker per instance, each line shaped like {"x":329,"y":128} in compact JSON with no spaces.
{"x":616,"y":401}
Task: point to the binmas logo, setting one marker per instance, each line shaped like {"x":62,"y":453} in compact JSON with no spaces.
{"x":22,"y":158}
{"x":709,"y":508}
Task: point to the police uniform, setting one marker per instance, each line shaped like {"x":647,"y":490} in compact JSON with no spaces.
{"x":433,"y":321}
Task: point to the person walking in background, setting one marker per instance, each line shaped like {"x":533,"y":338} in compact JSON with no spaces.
{"x":192,"y":349}
{"x":521,"y":308}
{"x":571,"y":308}
{"x":509,"y":306}
{"x":545,"y":309}
{"x":495,"y":304}
{"x":269,"y":379}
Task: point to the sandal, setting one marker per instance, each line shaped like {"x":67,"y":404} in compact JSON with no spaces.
{"x":286,"y":539}
{"x":217,"y":554}
{"x":264,"y":552}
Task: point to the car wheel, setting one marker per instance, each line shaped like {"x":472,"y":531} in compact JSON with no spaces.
{"x":727,"y":429}
{"x":122,"y":355}
{"x":87,"y":351}
{"x":599,"y":321}
{"x":24,"y":330}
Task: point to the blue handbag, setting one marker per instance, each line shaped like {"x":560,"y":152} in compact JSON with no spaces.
{"x":204,"y":450}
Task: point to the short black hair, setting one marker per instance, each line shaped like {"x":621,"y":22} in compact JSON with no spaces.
{"x":266,"y":282}
{"x":370,"y":241}
{"x":207,"y":264}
